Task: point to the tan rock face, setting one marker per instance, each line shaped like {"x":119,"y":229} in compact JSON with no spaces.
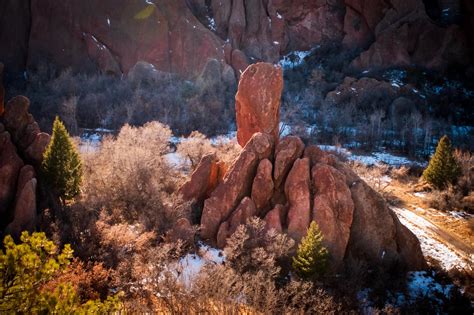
{"x":245,"y":210}
{"x":262,"y":187}
{"x":332,"y":209}
{"x":287,"y":151}
{"x":257,"y":101}
{"x":236,"y":185}
{"x":297,"y":190}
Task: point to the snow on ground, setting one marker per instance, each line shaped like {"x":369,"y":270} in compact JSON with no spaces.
{"x":295,"y":58}
{"x":447,"y":257}
{"x":191,"y":264}
{"x":374,"y":158}
{"x":419,"y":284}
{"x":423,"y":283}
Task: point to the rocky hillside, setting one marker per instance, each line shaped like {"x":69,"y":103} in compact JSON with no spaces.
{"x":180,"y":35}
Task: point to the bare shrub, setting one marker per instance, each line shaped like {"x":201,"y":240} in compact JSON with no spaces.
{"x":400,"y":173}
{"x":194,"y":147}
{"x":376,"y":176}
{"x":130,"y":175}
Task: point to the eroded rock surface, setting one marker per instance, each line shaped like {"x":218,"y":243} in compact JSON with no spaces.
{"x":257,"y":101}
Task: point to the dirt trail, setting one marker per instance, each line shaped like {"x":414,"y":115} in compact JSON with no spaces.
{"x":443,"y":237}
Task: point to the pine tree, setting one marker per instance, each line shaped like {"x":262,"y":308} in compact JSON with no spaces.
{"x":311,"y":257}
{"x":443,"y":167}
{"x":62,"y":167}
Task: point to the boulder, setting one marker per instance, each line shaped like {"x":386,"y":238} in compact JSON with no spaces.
{"x":245,"y":210}
{"x":203,"y":180}
{"x":10,"y":165}
{"x":257,"y":101}
{"x":275,"y":218}
{"x":287,"y":151}
{"x":262,"y":187}
{"x":236,"y":185}
{"x":25,"y":131}
{"x":24,"y":216}
{"x":332,"y":209}
{"x":297,"y":190}
{"x":316,"y":155}
{"x":377,"y":236}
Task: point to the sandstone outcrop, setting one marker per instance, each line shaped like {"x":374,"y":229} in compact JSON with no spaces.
{"x":333,"y":209}
{"x":297,"y":190}
{"x":287,"y":151}
{"x":24,"y":130}
{"x":10,"y":165}
{"x":257,"y":101}
{"x":24,"y":215}
{"x":245,"y":210}
{"x":179,"y":36}
{"x":262,"y":187}
{"x":22,"y":145}
{"x":308,"y":184}
{"x":203,"y":180}
{"x":236,"y":185}
{"x":275,"y":218}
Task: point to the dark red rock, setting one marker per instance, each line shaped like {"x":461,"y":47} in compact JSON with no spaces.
{"x":203,"y":180}
{"x":257,"y":101}
{"x":287,"y":151}
{"x":10,"y":165}
{"x":244,"y":211}
{"x":275,"y":218}
{"x":236,"y":185}
{"x":24,"y":215}
{"x":297,"y":190}
{"x":332,"y":209}
{"x":262,"y":187}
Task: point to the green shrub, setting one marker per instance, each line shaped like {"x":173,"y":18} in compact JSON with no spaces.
{"x":443,"y":168}
{"x":62,"y":166}
{"x":311,"y":258}
{"x":27,"y":267}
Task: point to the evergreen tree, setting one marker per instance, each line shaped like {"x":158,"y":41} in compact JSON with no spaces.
{"x":443,"y":167}
{"x":62,"y":167}
{"x":311,"y":257}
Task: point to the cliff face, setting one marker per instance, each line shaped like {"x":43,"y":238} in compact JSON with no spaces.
{"x":180,"y":35}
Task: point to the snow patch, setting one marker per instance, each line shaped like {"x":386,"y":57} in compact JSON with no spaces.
{"x":431,"y":247}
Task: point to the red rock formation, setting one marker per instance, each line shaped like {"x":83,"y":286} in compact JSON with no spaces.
{"x":245,"y":210}
{"x":275,"y":218}
{"x":17,"y":180}
{"x":24,"y":215}
{"x":332,"y":209}
{"x":262,"y":187}
{"x":297,"y":190}
{"x":236,"y":185}
{"x":203,"y":180}
{"x":182,"y":230}
{"x":165,"y":34}
{"x":25,"y":132}
{"x":257,"y":101}
{"x":10,"y":165}
{"x":286,"y":152}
